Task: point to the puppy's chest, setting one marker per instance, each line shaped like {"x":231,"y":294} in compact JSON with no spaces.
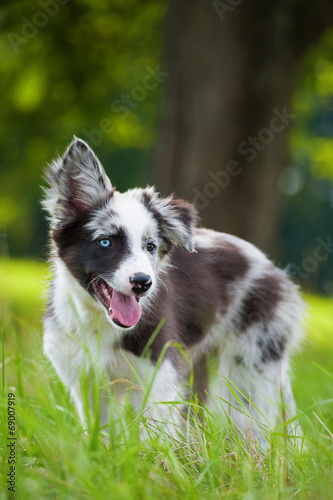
{"x":118,"y":365}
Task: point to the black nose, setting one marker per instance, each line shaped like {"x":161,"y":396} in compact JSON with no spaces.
{"x":140,"y":283}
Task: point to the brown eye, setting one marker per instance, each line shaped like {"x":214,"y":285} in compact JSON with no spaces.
{"x":150,"y":247}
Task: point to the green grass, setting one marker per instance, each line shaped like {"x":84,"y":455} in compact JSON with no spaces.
{"x":55,"y":459}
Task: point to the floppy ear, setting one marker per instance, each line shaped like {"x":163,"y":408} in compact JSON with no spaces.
{"x":176,"y":219}
{"x":78,"y":184}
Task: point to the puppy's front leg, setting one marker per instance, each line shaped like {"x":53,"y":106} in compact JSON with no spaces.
{"x":162,"y":413}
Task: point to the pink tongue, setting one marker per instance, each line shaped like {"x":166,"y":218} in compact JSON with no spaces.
{"x":125,"y":308}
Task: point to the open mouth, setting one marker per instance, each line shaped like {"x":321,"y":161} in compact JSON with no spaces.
{"x":123,"y":310}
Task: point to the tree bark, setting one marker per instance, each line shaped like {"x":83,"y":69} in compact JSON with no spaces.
{"x":227,"y":108}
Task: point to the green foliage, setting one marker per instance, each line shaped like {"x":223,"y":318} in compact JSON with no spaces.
{"x":307,"y":209}
{"x":65,"y":69}
{"x":56,"y":459}
{"x":84,"y":68}
{"x":311,"y":139}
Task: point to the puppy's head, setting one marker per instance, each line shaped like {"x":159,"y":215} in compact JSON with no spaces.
{"x":113,"y":243}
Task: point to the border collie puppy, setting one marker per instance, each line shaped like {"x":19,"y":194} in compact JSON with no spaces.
{"x":122,"y":262}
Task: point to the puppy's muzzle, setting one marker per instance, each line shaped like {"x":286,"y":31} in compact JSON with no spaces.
{"x":140,"y":282}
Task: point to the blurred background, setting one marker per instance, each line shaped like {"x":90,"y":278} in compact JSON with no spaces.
{"x":228,"y":104}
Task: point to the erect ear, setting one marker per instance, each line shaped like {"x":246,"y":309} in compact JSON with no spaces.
{"x":176,"y":219}
{"x":78,"y":184}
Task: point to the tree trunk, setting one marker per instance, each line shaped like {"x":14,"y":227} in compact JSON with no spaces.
{"x":227,"y":107}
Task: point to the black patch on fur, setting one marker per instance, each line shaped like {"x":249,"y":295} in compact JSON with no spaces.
{"x":78,"y":209}
{"x":196,"y":287}
{"x":209,"y":275}
{"x":260,"y":303}
{"x":147,"y":198}
{"x":84,"y":257}
{"x":186,"y":212}
{"x":272,"y":349}
{"x":179,"y":209}
{"x":239,"y":360}
{"x":148,"y":202}
{"x":101,"y":182}
{"x":81,"y":145}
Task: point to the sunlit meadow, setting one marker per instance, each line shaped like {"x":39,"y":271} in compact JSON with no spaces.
{"x":55,"y":458}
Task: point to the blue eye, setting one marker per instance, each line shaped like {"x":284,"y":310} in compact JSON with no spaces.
{"x":150,"y":247}
{"x":104,"y":243}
